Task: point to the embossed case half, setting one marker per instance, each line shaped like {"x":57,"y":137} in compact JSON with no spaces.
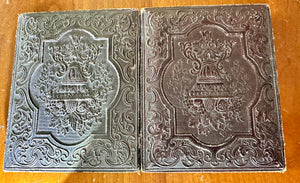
{"x":209,"y":90}
{"x":74,"y":93}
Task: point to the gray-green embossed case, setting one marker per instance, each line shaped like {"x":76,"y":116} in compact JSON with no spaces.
{"x":209,"y":90}
{"x":74,"y":94}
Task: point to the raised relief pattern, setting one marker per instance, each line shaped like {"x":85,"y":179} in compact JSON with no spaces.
{"x":209,"y":96}
{"x":209,"y":102}
{"x":207,"y":88}
{"x":74,"y":101}
{"x":74,"y":86}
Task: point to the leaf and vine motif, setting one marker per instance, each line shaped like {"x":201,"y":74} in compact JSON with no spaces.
{"x":210,"y":103}
{"x":22,"y":143}
{"x":118,"y":150}
{"x":112,"y":153}
{"x":266,"y":129}
{"x":206,"y":53}
{"x":164,"y":150}
{"x":253,"y":22}
{"x":264,"y":150}
{"x":181,"y":20}
{"x":74,"y":85}
{"x":48,"y":155}
{"x":156,"y":38}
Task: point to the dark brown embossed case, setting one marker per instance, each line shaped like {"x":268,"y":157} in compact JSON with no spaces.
{"x":210,"y":97}
{"x":74,"y":94}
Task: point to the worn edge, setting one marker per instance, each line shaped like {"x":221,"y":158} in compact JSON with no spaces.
{"x":13,"y":77}
{"x":276,"y":88}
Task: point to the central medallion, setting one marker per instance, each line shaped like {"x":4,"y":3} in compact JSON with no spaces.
{"x":74,"y":86}
{"x":206,"y":84}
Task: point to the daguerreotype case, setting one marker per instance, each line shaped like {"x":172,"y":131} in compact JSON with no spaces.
{"x":74,"y":93}
{"x":199,"y":94}
{"x":209,"y":90}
